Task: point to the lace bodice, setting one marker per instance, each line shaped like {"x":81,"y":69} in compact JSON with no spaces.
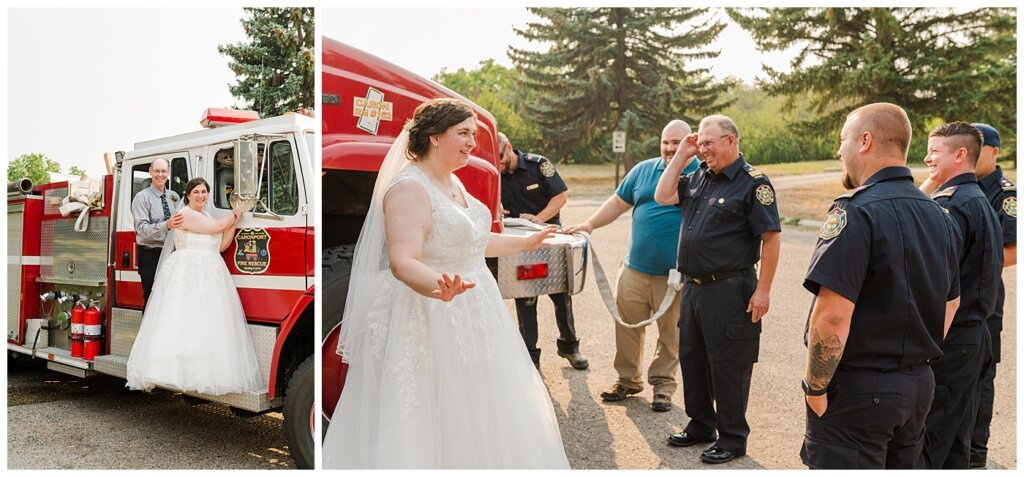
{"x":184,"y":240}
{"x":458,"y":236}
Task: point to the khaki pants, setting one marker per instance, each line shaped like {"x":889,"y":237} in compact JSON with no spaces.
{"x":638,"y":296}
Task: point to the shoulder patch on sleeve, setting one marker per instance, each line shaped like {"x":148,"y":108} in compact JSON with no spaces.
{"x":834,"y":223}
{"x":1010,"y":206}
{"x":546,"y":168}
{"x":765,"y":195}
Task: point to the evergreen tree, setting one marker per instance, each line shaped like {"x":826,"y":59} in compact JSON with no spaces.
{"x":611,"y":69}
{"x":938,"y":64}
{"x":35,"y":166}
{"x":275,"y":69}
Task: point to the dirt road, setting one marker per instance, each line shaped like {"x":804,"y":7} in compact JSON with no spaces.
{"x":628,"y":435}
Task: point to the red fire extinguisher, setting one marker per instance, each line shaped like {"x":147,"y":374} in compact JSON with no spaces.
{"x":93,"y":332}
{"x":77,"y":330}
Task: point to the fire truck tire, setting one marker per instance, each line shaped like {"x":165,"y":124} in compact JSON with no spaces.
{"x":337,"y":266}
{"x":298,"y":406}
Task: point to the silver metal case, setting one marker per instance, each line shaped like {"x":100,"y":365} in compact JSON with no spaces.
{"x":566,"y":259}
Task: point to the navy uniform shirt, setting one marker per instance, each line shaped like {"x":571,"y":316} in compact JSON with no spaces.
{"x":726,"y":213}
{"x":529,"y":188}
{"x":892,"y":251}
{"x":981,"y":246}
{"x":1002,"y":194}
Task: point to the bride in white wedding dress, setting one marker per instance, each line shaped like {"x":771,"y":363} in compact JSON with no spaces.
{"x":438,"y":375}
{"x":193,"y":335}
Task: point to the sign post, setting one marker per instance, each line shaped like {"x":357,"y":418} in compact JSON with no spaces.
{"x":618,"y":148}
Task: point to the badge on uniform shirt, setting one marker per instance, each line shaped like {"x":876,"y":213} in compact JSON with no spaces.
{"x":532,"y":186}
{"x":547,"y":169}
{"x":834,"y":223}
{"x":1010,"y":206}
{"x":765,"y":194}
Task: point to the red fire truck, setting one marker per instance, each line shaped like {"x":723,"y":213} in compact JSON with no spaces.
{"x":366,"y":102}
{"x":74,"y":293}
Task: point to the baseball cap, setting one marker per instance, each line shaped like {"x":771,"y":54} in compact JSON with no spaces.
{"x":990,"y":134}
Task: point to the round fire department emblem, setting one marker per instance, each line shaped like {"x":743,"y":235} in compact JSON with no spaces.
{"x":547,"y":169}
{"x":765,"y":194}
{"x":252,"y":251}
{"x":834,"y":223}
{"x":1010,"y":206}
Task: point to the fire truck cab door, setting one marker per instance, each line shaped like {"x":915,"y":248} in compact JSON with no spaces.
{"x":128,"y":284}
{"x":267,"y":256}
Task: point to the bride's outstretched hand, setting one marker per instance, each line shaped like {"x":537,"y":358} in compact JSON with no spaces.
{"x":449,"y":288}
{"x":536,"y":239}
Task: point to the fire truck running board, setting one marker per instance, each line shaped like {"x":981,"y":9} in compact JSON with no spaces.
{"x":55,"y":355}
{"x":125,"y":325}
{"x":118,"y":366}
{"x":63,"y":368}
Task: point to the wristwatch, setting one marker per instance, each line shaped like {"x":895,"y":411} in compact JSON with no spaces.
{"x":812,"y":392}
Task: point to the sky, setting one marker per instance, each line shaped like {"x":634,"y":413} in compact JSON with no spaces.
{"x":82,"y":82}
{"x":463,"y":37}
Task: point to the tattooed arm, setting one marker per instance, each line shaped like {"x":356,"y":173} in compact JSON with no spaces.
{"x":827,"y":335}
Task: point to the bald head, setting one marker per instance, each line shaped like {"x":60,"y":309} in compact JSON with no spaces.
{"x":677,"y":126}
{"x":888,"y":124}
{"x":159,"y":169}
{"x":671,"y":136}
{"x":159,"y":163}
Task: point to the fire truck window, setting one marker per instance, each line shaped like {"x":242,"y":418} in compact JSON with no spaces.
{"x":140,"y":178}
{"x":223,"y":177}
{"x":179,"y":176}
{"x":284,"y":193}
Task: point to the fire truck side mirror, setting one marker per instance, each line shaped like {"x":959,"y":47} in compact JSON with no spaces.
{"x":245,"y":192}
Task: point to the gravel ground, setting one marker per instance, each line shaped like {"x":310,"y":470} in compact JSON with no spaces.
{"x":628,"y":435}
{"x":56,"y":421}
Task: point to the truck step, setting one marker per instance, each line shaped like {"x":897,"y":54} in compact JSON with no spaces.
{"x":112,"y":365}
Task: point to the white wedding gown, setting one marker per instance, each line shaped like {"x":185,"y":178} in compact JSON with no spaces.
{"x":444,"y":385}
{"x":193,"y":335}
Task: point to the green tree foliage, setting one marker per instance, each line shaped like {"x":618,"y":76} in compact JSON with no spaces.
{"x":938,"y":64}
{"x":494,"y":88}
{"x":275,"y":69}
{"x":609,"y":69}
{"x":766,"y":134}
{"x":77,"y":172}
{"x":34,"y":166}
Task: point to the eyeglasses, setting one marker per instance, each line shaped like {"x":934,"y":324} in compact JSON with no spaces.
{"x":708,"y":143}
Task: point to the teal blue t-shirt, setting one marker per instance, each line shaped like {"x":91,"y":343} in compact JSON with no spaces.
{"x":655,"y":231}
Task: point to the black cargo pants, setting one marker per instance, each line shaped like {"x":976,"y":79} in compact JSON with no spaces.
{"x":874,"y":420}
{"x":718,"y":346}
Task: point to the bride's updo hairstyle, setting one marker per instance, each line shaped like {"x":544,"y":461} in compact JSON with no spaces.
{"x":432,"y":118}
{"x":192,"y":184}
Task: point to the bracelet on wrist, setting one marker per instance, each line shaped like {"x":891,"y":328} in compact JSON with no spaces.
{"x":812,"y":392}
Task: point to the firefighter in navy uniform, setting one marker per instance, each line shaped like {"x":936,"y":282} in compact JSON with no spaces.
{"x":886,"y":283}
{"x":1002,"y":195}
{"x":531,"y":189}
{"x":953,"y":150}
{"x":732,"y":222}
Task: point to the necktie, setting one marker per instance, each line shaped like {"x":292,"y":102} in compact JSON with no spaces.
{"x":167,"y":210}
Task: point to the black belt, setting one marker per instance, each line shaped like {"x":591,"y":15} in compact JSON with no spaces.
{"x":150,"y":248}
{"x":714,"y":277}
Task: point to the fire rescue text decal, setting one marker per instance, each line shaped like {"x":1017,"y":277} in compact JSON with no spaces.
{"x":371,"y":110}
{"x":252,"y":251}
